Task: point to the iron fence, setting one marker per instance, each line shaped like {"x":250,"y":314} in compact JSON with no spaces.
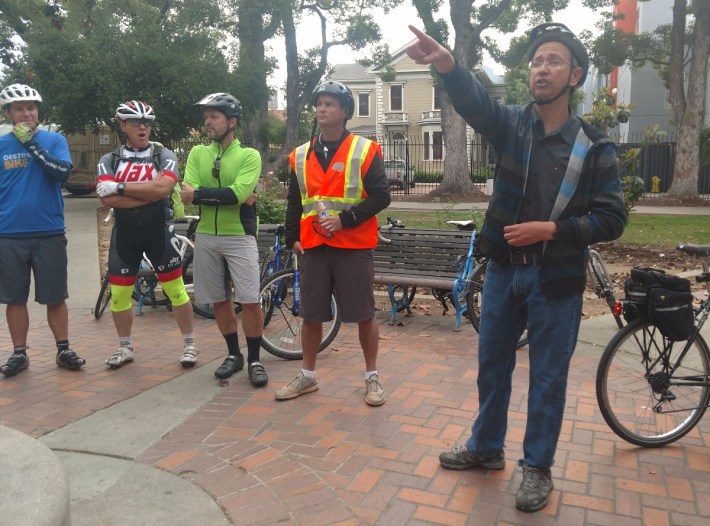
{"x":426,"y":158}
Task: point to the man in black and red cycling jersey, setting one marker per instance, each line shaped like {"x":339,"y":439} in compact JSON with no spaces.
{"x":137,"y":180}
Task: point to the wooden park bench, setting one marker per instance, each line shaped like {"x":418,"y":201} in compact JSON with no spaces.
{"x":434,"y":259}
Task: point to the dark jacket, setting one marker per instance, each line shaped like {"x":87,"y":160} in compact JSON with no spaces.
{"x":594,"y":213}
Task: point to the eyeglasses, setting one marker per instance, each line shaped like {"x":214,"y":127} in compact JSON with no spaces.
{"x":135,"y":123}
{"x":215,"y":168}
{"x":553,"y":63}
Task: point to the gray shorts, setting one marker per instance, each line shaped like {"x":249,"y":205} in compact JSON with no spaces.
{"x":346,"y":273}
{"x":43,"y":257}
{"x":217,"y":258}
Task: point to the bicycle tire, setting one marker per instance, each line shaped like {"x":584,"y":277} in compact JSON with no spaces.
{"x":640,"y":400}
{"x":104,"y":297}
{"x":282,"y":329}
{"x":474,"y":301}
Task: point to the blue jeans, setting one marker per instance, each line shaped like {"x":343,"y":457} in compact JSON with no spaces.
{"x":513,"y":299}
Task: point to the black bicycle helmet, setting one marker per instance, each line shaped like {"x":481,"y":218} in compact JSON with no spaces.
{"x":339,"y":91}
{"x":554,"y":32}
{"x":224,"y":102}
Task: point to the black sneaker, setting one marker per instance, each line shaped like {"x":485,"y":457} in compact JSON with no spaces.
{"x":16,"y":363}
{"x":534,"y":491}
{"x":230,"y":365}
{"x":257,"y":374}
{"x":461,"y":458}
{"x":70,"y":360}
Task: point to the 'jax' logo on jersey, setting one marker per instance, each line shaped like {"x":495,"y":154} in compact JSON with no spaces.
{"x":135,"y":173}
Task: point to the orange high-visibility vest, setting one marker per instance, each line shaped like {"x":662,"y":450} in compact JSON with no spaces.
{"x":340,"y":187}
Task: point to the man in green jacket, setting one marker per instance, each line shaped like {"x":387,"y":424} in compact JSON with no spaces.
{"x":221,"y":179}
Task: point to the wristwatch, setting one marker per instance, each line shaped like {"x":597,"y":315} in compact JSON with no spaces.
{"x":121,"y":188}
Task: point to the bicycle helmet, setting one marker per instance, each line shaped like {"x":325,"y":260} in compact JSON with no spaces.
{"x":554,"y":32}
{"x":340,"y":92}
{"x":223,"y":102}
{"x":135,"y":109}
{"x":18,"y":93}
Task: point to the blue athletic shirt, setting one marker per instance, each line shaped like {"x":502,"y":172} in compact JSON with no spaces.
{"x":31,"y":203}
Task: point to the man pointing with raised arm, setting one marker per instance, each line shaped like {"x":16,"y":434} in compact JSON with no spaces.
{"x":556,"y":191}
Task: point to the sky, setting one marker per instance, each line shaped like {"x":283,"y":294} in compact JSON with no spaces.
{"x":396,"y":34}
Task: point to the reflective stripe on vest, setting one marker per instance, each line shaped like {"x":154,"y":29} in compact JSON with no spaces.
{"x":344,"y":176}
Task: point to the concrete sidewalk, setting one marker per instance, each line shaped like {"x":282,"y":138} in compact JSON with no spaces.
{"x":154,"y":444}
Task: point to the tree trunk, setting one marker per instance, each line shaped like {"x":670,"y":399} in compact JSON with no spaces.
{"x":687,"y":161}
{"x":457,"y":179}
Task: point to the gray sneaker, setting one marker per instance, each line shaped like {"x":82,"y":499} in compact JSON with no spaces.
{"x":461,"y":458}
{"x":298,"y":386}
{"x":375,"y":392}
{"x":534,"y":491}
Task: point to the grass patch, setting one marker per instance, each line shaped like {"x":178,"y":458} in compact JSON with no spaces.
{"x":662,"y":231}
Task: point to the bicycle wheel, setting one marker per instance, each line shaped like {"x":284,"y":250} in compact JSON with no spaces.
{"x":474,"y":300}
{"x":282,"y":328}
{"x":647,"y":394}
{"x":104,"y":297}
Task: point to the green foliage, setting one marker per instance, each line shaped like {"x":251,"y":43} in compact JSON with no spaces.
{"x":633,"y":187}
{"x":427,"y":176}
{"x":605,"y":114}
{"x":102,"y":53}
{"x":705,"y":147}
{"x":481,"y":174}
{"x":270,"y":208}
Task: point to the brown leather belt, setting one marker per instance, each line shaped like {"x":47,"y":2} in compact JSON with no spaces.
{"x":525,"y":258}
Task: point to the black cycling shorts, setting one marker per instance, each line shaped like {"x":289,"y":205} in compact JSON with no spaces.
{"x":128,"y":244}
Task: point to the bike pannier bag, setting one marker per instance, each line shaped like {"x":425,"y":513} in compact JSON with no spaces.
{"x":637,"y":300}
{"x":671,"y":311}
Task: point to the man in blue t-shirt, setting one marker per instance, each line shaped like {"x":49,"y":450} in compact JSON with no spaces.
{"x":35,"y":163}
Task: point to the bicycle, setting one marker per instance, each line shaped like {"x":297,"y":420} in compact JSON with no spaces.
{"x":597,"y":273}
{"x":652,"y":391}
{"x":278,"y":257}
{"x":280,"y":298}
{"x":147,"y":286}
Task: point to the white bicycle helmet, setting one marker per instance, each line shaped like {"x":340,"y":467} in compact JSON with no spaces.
{"x":18,"y":93}
{"x":135,"y":109}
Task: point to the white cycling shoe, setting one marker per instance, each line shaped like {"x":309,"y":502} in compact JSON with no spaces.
{"x":121,"y":356}
{"x":189,"y":355}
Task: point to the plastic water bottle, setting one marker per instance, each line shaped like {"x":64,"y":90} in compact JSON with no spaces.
{"x":321,"y":209}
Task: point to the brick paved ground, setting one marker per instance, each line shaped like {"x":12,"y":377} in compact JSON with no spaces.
{"x":328,"y":458}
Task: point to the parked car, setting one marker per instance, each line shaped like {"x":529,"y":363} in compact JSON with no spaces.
{"x":81,"y":182}
{"x":399,"y":174}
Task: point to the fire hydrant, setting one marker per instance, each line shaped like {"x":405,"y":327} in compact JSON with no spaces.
{"x":655,"y":184}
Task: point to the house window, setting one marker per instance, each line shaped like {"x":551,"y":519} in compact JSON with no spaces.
{"x":363,"y":105}
{"x":396,"y":97}
{"x":437,"y":146}
{"x":426,"y":146}
{"x":437,"y":98}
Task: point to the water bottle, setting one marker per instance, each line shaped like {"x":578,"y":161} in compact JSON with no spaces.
{"x":321,"y":209}
{"x":296,"y":291}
